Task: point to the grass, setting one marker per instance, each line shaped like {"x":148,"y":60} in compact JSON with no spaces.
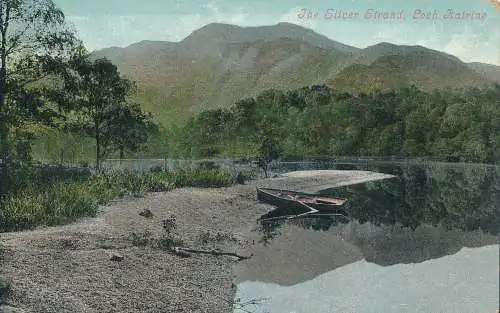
{"x":56,"y":195}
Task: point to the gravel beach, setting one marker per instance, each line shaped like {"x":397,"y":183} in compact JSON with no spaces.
{"x":93,"y":266}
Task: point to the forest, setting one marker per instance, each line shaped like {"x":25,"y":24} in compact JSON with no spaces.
{"x":461,"y":125}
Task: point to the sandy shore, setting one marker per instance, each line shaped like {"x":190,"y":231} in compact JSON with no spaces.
{"x":68,"y":268}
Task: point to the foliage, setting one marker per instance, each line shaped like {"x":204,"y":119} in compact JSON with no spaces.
{"x":167,"y":241}
{"x":127,"y":128}
{"x":95,"y":99}
{"x":141,"y":239}
{"x":51,"y":195}
{"x":94,"y":93}
{"x":447,"y":125}
{"x":35,"y":43}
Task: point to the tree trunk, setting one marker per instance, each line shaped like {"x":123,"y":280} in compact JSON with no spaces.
{"x":4,"y":127}
{"x":98,"y":146}
{"x":122,"y":153}
{"x":4,"y":137}
{"x":61,"y":157}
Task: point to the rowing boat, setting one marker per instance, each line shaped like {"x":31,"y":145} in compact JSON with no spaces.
{"x":293,"y":200}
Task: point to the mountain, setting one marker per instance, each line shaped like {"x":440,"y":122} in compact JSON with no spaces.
{"x":492,"y":72}
{"x":403,"y":66}
{"x":220,"y":63}
{"x":218,"y":33}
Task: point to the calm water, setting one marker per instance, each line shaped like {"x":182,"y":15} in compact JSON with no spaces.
{"x":425,"y":241}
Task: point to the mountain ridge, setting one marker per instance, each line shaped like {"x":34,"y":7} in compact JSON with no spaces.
{"x":218,"y":64}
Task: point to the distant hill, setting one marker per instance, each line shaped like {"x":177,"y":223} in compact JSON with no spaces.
{"x":492,"y":72}
{"x":397,"y":68}
{"x":220,"y":63}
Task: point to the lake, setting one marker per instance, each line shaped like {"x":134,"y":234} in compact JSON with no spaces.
{"x":425,"y":241}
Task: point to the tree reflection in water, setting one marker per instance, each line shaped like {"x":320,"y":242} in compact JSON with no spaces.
{"x":456,"y":197}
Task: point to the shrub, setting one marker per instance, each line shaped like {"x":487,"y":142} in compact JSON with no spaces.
{"x":56,"y":195}
{"x":141,"y":239}
{"x":240,"y":178}
{"x":156,"y":169}
{"x":168,"y":243}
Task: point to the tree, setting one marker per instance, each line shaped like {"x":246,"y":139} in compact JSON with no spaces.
{"x":270,"y":146}
{"x":95,"y":91}
{"x":126,"y":128}
{"x":34,"y":43}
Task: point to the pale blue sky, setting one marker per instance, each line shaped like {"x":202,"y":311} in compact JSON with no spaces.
{"x":105,"y":23}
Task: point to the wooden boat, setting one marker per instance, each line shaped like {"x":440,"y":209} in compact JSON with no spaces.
{"x":293,"y":200}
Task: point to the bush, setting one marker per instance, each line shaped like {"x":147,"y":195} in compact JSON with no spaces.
{"x":59,"y":204}
{"x":167,"y":241}
{"x":199,"y":177}
{"x":57,"y":195}
{"x":156,"y":169}
{"x":141,"y":239}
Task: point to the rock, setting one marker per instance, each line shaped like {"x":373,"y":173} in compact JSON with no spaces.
{"x":146,"y":213}
{"x":115,"y":257}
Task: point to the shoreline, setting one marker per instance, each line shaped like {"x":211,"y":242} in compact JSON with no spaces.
{"x":68,"y":268}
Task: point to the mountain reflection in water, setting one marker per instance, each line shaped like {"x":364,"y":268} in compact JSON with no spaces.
{"x":427,"y":212}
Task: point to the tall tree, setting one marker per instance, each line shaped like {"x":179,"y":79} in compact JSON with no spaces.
{"x":96,"y":90}
{"x":34,"y":42}
{"x":126,"y":128}
{"x":269,"y":143}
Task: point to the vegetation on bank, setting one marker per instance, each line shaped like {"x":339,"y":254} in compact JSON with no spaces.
{"x":447,"y":125}
{"x":49,"y":81}
{"x":57,"y":195}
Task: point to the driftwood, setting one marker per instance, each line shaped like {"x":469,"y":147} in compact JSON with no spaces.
{"x":184,"y":251}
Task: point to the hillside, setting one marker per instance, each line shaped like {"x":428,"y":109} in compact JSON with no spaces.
{"x":492,"y":72}
{"x":220,"y":63}
{"x":424,"y":68}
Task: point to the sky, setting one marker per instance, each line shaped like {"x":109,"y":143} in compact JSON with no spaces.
{"x":105,"y":23}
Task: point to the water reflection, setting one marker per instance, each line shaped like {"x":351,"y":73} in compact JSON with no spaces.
{"x":460,"y":198}
{"x":426,"y":212}
{"x":463,"y":282}
{"x":464,"y":198}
